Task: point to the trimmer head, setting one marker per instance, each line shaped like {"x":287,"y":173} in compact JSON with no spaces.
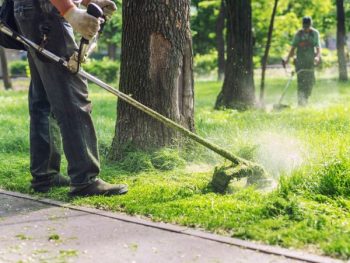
{"x":256,"y":176}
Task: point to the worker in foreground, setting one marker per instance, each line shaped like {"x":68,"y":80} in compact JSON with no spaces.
{"x":57,"y":96}
{"x":308,"y":54}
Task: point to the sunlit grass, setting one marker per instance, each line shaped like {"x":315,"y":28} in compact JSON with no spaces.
{"x":304,"y":149}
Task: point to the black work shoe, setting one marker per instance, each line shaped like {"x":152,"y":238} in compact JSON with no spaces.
{"x":57,"y":180}
{"x":99,"y":187}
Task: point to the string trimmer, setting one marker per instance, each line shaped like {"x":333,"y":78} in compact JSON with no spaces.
{"x":239,"y":168}
{"x":280,"y":106}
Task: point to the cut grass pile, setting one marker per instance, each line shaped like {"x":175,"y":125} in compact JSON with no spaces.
{"x":305,"y":150}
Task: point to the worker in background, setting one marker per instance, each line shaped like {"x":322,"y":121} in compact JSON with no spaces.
{"x":308,"y":54}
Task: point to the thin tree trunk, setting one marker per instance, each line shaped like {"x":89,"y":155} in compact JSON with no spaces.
{"x":5,"y":72}
{"x":238,"y":90}
{"x":156,"y":69}
{"x":220,"y":41}
{"x":341,"y":41}
{"x":112,"y":51}
{"x":266,"y":54}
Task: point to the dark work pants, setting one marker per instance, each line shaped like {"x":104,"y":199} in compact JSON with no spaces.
{"x":306,"y":81}
{"x":57,"y":97}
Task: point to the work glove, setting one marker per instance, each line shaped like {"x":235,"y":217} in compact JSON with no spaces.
{"x":108,"y":6}
{"x":82,"y":22}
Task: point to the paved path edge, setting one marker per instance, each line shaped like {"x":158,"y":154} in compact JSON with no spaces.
{"x":274,"y":250}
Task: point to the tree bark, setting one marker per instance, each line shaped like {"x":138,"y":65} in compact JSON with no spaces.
{"x":5,"y":72}
{"x":341,"y":41}
{"x":220,"y":41}
{"x":266,"y":54}
{"x":238,"y":90}
{"x":156,"y":69}
{"x":112,"y":51}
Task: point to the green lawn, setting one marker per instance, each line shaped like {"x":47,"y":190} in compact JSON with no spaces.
{"x":305,"y":150}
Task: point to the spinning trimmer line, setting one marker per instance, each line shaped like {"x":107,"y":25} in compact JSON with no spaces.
{"x":240,"y":168}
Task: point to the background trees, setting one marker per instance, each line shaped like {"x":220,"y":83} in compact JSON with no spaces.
{"x":156,"y":69}
{"x":341,"y":41}
{"x":207,"y":22}
{"x":220,"y":40}
{"x":238,"y":90}
{"x":267,"y":51}
{"x":156,"y":62}
{"x":288,"y":20}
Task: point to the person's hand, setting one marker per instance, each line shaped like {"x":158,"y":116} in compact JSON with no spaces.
{"x":108,"y":6}
{"x":82,"y":22}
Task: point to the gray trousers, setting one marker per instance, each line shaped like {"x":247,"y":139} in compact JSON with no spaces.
{"x":57,"y":98}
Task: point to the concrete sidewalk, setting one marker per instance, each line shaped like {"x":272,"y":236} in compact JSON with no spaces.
{"x":44,"y":231}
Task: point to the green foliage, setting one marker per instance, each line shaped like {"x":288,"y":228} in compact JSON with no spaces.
{"x":54,"y":237}
{"x":204,"y":64}
{"x":19,"y":68}
{"x":339,"y":247}
{"x":279,"y":206}
{"x":136,"y":161}
{"x":107,"y":70}
{"x":66,"y":254}
{"x":167,"y":159}
{"x":330,"y":180}
{"x":23,"y":237}
{"x":112,"y":29}
{"x":248,"y":152}
{"x":203,"y":21}
{"x":287,"y":22}
{"x":329,"y":58}
{"x":334,"y":178}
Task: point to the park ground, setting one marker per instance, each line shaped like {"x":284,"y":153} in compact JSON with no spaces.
{"x":306,"y":151}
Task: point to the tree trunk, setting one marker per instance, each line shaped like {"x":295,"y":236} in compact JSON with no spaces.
{"x":112,"y":51}
{"x":220,"y":41}
{"x":266,"y":55}
{"x":238,"y":90}
{"x":341,"y":41}
{"x":4,"y":68}
{"x":156,"y":69}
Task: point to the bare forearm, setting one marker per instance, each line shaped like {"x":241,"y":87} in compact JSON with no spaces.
{"x":64,"y":5}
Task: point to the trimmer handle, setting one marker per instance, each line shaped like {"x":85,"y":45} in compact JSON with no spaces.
{"x":95,"y":11}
